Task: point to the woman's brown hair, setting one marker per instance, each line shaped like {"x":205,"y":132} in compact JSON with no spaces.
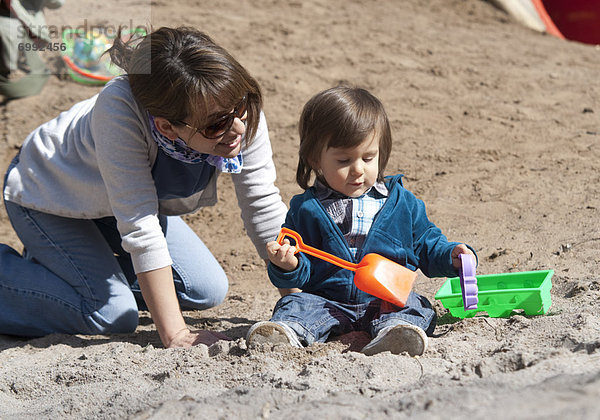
{"x":340,"y":117}
{"x":179,"y":73}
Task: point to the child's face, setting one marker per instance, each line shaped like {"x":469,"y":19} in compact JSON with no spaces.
{"x":351,"y":171}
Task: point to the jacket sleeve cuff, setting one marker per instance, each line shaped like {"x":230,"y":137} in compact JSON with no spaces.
{"x":289,"y":279}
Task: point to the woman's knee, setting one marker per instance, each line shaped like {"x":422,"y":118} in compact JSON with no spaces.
{"x":119,"y":315}
{"x":202,"y":292}
{"x":218,"y":291}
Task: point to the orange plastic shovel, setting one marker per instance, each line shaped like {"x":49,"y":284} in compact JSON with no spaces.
{"x":374,"y":274}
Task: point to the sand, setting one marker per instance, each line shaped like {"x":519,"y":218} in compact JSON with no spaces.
{"x":495,"y":127}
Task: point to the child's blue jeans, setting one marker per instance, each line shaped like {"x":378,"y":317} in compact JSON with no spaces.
{"x":75,"y":278}
{"x":315,"y":318}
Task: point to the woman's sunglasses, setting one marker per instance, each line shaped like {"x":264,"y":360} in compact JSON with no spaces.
{"x":223,"y":124}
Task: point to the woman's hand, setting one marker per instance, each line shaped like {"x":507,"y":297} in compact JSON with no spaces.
{"x":282,"y":255}
{"x":460,"y":249}
{"x":158,"y":290}
{"x":186,"y":338}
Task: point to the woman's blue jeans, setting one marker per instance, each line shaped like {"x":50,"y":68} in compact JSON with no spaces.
{"x":75,"y":277}
{"x":315,"y":318}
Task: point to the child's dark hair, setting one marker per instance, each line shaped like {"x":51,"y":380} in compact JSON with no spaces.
{"x":180,"y":73}
{"x":341,"y":117}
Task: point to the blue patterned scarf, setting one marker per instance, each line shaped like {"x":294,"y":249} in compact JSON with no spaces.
{"x":177,"y":149}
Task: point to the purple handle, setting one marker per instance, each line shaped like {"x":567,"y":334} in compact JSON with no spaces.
{"x":468,"y":282}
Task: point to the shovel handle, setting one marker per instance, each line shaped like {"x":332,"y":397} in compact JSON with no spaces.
{"x":301,"y":246}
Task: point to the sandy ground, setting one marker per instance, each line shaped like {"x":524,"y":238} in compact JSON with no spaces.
{"x":496,"y":127}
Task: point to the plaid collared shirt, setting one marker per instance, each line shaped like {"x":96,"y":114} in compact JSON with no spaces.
{"x":354,"y":216}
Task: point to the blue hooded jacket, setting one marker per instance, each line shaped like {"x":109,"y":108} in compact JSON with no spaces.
{"x":401,"y":232}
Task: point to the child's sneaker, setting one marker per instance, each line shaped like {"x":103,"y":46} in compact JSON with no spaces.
{"x":398,"y":339}
{"x":272,"y":332}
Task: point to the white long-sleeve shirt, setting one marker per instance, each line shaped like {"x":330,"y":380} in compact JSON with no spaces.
{"x":95,"y":160}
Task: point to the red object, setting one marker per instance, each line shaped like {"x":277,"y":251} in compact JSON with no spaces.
{"x":83,"y":72}
{"x":577,"y":20}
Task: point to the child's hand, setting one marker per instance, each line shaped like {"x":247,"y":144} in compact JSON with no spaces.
{"x":282,"y":255}
{"x":460,"y":249}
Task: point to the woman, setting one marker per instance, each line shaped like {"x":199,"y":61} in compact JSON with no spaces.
{"x":95,"y":194}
